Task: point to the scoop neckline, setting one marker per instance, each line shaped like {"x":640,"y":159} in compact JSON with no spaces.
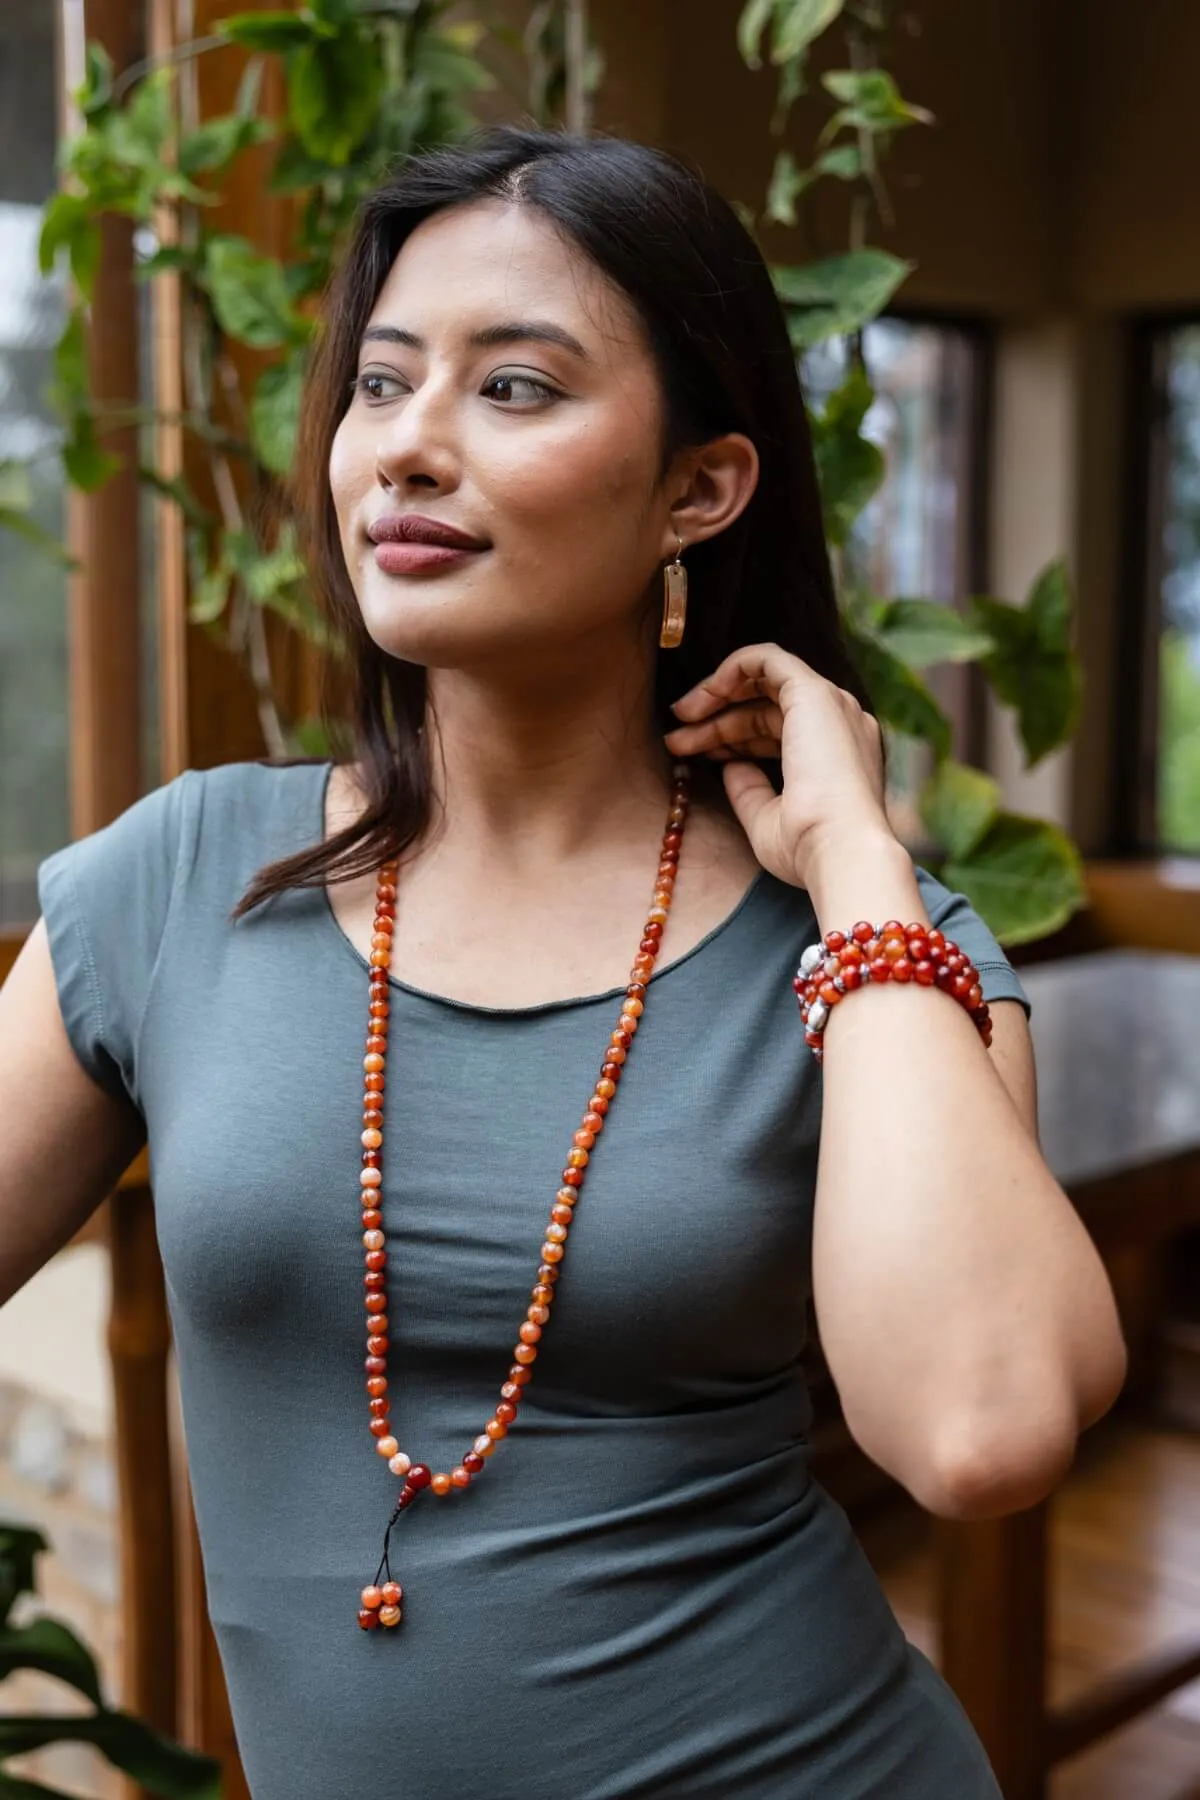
{"x":541,"y":1006}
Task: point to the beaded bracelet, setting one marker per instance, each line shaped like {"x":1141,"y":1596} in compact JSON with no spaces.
{"x":843,"y":961}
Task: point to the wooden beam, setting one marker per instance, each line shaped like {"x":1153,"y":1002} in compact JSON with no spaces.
{"x":1119,"y":1698}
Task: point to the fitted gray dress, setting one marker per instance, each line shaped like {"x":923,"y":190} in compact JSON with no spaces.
{"x":645,"y":1593}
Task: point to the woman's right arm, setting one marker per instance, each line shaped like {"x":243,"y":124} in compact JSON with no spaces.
{"x":64,"y":1141}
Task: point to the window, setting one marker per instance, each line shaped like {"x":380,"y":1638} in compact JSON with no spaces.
{"x":33,"y":650}
{"x":922,"y":536}
{"x":1166,"y":807}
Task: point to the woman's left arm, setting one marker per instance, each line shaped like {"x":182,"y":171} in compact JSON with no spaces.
{"x":965,"y":1315}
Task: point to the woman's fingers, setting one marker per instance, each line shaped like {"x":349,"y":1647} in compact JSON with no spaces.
{"x":756,"y":669}
{"x":755,"y":730}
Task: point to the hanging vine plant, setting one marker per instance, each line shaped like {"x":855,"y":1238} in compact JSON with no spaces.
{"x":1023,"y":874}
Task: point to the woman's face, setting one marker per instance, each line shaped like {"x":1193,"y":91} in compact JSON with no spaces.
{"x":505,"y":389}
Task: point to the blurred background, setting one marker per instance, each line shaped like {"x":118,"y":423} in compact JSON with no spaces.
{"x":1030,"y":435}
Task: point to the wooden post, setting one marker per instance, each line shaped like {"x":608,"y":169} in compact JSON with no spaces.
{"x":992,"y":1577}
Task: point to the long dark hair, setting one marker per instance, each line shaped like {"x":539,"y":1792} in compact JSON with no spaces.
{"x":698,"y":281}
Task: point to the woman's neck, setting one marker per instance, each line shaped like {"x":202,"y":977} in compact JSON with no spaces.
{"x":539,"y":780}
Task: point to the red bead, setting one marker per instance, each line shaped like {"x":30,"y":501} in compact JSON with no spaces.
{"x":510,"y":1391}
{"x":862,"y":932}
{"x":834,"y":941}
{"x":374,"y":1280}
{"x":376,"y":1303}
{"x":419,"y":1476}
{"x":377,"y":1345}
{"x":902,"y":969}
{"x":472,"y":1462}
{"x":881,"y":968}
{"x":378,"y":1427}
{"x":506,"y":1412}
{"x":923,"y":973}
{"x":376,"y":1386}
{"x":851,"y":978}
{"x":379,"y":1408}
{"x":368,"y":1619}
{"x":519,"y":1375}
{"x":376,"y":1259}
{"x":375,"y":1364}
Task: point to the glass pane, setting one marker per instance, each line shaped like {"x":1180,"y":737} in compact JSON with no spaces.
{"x":33,"y":649}
{"x":913,"y":540}
{"x":1179,"y":652}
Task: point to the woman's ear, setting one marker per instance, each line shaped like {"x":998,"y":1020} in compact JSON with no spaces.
{"x":714,"y":483}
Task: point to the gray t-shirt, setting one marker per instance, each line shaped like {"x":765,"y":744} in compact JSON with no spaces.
{"x":644,"y":1593}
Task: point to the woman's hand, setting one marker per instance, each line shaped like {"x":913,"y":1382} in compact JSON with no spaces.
{"x":763,"y":701}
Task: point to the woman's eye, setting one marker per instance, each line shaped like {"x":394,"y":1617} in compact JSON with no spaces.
{"x":519,"y":388}
{"x":372,"y":384}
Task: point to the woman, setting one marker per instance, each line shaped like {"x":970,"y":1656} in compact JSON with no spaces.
{"x":551,"y":370}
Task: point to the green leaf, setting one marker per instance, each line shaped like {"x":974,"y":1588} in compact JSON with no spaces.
{"x":153,"y":1761}
{"x":16,"y":486}
{"x":52,"y":1649}
{"x":334,"y":89}
{"x":839,"y":294}
{"x":272,"y":31}
{"x":275,"y":415}
{"x":176,"y":489}
{"x":799,"y":23}
{"x":1032,"y":667}
{"x":787,"y":183}
{"x":843,"y":160}
{"x":209,"y":598}
{"x":20,"y":1546}
{"x":900,"y":697}
{"x":249,"y":294}
{"x":87,"y":464}
{"x":870,"y":101}
{"x":95,"y":92}
{"x":958,"y":805}
{"x":1024,"y":878}
{"x":70,"y":362}
{"x":850,"y":468}
{"x":215,"y":143}
{"x":756,"y":16}
{"x":922,"y":632}
{"x":311,"y":737}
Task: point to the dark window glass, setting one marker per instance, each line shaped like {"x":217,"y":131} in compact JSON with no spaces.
{"x":1175,"y":559}
{"x":33,"y":652}
{"x":921,"y":537}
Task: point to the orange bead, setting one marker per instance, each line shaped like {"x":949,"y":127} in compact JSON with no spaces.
{"x":543,"y":1294}
{"x":566,"y":1196}
{"x":552,"y":1253}
{"x":496,"y":1429}
{"x":392,"y":1593}
{"x":376,"y":1303}
{"x":529,"y":1332}
{"x":440,"y":1484}
{"x":556,"y":1234}
{"x":616,"y":1054}
{"x":386,"y":1446}
{"x":525,"y":1353}
{"x":372,"y":1598}
{"x":400,"y":1464}
{"x":584,"y":1140}
{"x":483,"y":1445}
{"x":381,"y":959}
{"x":460,"y":1477}
{"x":378,"y":1428}
{"x":520,"y":1377}
{"x":577,"y":1158}
{"x":506,"y":1412}
{"x":560,"y":1213}
{"x":510,"y":1391}
{"x":593,"y":1122}
{"x":606,"y":1089}
{"x":377,"y":1386}
{"x":389,"y":1615}
{"x":538,"y":1315}
{"x":373,"y":1240}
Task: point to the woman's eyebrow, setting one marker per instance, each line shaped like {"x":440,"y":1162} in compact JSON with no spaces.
{"x":516,"y":331}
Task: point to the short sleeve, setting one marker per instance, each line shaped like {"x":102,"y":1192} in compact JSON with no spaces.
{"x":954,"y":914}
{"x":105,"y":901}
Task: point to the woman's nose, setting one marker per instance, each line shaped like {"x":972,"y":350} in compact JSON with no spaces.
{"x":418,"y":443}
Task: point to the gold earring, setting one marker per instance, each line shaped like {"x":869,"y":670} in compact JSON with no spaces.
{"x":675,"y":583}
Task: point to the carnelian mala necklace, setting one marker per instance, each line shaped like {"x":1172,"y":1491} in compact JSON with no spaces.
{"x":382,"y":1602}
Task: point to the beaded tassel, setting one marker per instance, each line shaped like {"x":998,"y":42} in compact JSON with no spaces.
{"x":381,"y":1602}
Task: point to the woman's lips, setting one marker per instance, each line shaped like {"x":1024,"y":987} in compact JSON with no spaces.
{"x":401,"y":558}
